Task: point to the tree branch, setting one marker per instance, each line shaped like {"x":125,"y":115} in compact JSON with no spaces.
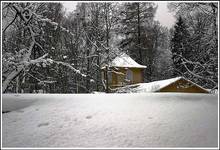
{"x":10,"y":23}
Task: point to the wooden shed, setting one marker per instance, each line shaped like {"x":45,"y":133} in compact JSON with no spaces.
{"x":123,"y":70}
{"x":178,"y":84}
{"x":181,"y":84}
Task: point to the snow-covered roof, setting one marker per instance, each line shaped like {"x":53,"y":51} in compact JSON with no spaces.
{"x":153,"y":86}
{"x":125,"y":61}
{"x":157,"y":85}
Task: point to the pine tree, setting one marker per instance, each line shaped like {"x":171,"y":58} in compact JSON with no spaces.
{"x":179,"y":46}
{"x":201,"y":60}
{"x":135,"y":18}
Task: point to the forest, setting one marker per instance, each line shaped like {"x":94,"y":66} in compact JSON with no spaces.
{"x":46,"y":50}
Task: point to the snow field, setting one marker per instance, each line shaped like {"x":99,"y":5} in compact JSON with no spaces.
{"x":110,"y":120}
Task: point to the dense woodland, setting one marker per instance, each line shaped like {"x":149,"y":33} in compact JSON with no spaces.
{"x":47,"y":50}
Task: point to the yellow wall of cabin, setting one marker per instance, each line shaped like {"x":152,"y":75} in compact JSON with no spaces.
{"x":178,"y":86}
{"x":118,"y":79}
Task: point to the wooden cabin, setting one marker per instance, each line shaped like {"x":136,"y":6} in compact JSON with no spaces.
{"x":178,"y":84}
{"x":123,"y":70}
{"x":181,"y":84}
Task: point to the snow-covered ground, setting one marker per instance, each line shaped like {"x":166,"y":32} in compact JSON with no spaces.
{"x":110,"y":120}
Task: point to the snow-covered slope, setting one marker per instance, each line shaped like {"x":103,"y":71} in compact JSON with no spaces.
{"x":111,"y":120}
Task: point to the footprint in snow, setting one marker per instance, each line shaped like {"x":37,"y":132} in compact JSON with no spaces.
{"x":20,"y":111}
{"x":5,"y":112}
{"x":43,"y":124}
{"x":88,"y":117}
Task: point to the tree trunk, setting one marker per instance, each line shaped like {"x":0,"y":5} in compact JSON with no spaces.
{"x":106,"y":77}
{"x":107,"y":26}
{"x":98,"y":73}
{"x":17,"y":85}
{"x":98,"y":76}
{"x":88,"y":70}
{"x":107,"y":44}
{"x":139,"y":33}
{"x":10,"y":77}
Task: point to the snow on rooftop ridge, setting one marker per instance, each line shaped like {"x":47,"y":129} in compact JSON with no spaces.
{"x":195,"y":84}
{"x":156,"y":85}
{"x":125,"y":61}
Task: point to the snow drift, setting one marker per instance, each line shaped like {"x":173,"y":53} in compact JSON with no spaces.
{"x":110,"y":120}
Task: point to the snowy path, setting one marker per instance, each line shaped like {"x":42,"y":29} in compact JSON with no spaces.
{"x":111,"y":120}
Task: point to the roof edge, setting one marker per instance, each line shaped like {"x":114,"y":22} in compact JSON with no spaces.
{"x":181,"y":77}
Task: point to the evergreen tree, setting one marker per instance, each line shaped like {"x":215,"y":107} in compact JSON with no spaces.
{"x":135,"y":18}
{"x":179,"y":46}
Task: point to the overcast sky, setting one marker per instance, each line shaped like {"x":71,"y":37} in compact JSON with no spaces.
{"x":162,"y":15}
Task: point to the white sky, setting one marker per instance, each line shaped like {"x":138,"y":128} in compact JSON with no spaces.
{"x":162,"y":15}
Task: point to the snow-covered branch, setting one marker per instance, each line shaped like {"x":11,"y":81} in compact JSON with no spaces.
{"x":189,"y":61}
{"x":15,"y":17}
{"x":38,"y":60}
{"x":198,"y":76}
{"x":25,"y":54}
{"x":18,"y":69}
{"x":68,"y":66}
{"x":197,"y":70}
{"x":55,"y":24}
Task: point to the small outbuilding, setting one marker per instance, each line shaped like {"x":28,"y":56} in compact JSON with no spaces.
{"x":123,"y":70}
{"x":178,"y":84}
{"x":181,"y":84}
